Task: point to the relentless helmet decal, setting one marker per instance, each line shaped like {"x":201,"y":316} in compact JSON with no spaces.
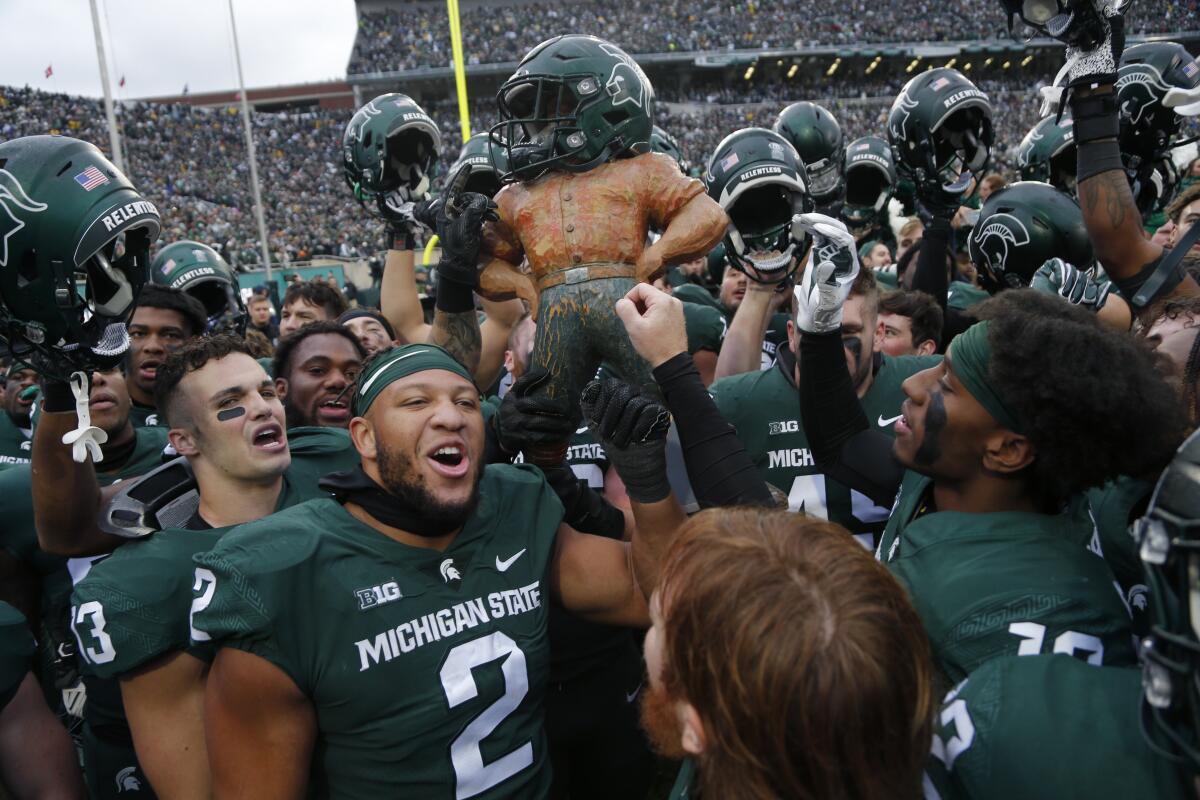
{"x":626,"y":83}
{"x":994,"y":238}
{"x":11,"y":191}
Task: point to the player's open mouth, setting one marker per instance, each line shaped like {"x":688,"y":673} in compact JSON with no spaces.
{"x":270,"y":438}
{"x":334,"y":410}
{"x":902,"y":427}
{"x":450,"y":460}
{"x":148,"y":370}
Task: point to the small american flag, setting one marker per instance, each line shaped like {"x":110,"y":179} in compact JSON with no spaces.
{"x":729,"y":162}
{"x":90,"y":178}
{"x":939,"y":84}
{"x":1191,"y":68}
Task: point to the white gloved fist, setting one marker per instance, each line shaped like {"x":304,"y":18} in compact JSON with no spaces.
{"x":832,"y":268}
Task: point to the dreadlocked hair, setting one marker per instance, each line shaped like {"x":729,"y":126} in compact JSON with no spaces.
{"x":1090,"y":398}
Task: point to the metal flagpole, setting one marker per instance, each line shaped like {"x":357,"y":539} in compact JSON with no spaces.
{"x":254,"y":190}
{"x":114,"y":138}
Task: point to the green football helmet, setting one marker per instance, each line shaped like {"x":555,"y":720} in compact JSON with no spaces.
{"x":759,"y":180}
{"x":1168,"y":538}
{"x":198,"y":270}
{"x":487,"y":164}
{"x":1048,"y":154}
{"x":663,"y":142}
{"x":75,"y":241}
{"x":870,"y":179}
{"x":1149,"y":130}
{"x":574,"y":103}
{"x":1020,"y":227}
{"x":390,"y":145}
{"x":818,"y":139}
{"x":940,"y":130}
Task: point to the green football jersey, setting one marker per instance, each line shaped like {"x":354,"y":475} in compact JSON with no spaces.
{"x":14,"y":443}
{"x":132,"y":607}
{"x":1005,"y":583}
{"x":962,"y":295}
{"x":426,"y":670}
{"x":682,"y":788}
{"x":764,"y":408}
{"x":1113,"y":507}
{"x":776,"y":334}
{"x":144,"y":416}
{"x":1047,"y":726}
{"x":16,"y":652}
{"x":705,"y":326}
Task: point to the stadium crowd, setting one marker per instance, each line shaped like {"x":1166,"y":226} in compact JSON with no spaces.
{"x":863,"y":462}
{"x":400,"y":38}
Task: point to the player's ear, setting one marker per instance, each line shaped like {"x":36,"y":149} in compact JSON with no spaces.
{"x":692,"y":737}
{"x":184,"y":441}
{"x":926,"y":348}
{"x":362,"y":433}
{"x":281,"y":388}
{"x":1007,"y":452}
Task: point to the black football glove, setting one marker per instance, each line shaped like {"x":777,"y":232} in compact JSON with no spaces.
{"x":633,"y":431}
{"x":527,"y":419}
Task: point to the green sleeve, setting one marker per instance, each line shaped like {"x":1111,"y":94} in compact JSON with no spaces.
{"x":16,"y":652}
{"x":705,"y":327}
{"x":133,"y":607}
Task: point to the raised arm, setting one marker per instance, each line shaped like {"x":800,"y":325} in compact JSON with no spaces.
{"x":398,"y":298}
{"x":742,"y":349}
{"x":65,"y":528}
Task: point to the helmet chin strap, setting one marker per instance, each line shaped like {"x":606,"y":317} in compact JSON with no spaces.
{"x":772,"y":264}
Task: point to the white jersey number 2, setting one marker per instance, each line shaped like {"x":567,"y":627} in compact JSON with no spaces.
{"x":471,"y":774}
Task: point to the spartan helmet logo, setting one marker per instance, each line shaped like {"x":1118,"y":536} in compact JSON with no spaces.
{"x":1026,"y":152}
{"x":369,"y":112}
{"x":994,"y":239}
{"x":1138,"y":86}
{"x":900,"y":114}
{"x":449,"y":571}
{"x":1138,"y":597}
{"x":13,"y":199}
{"x":626,"y":83}
{"x":127,"y":781}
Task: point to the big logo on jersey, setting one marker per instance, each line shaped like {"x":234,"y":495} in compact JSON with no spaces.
{"x":626,"y":83}
{"x":13,"y":199}
{"x":993,"y":241}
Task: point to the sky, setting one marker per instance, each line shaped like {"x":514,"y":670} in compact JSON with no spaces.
{"x":161,"y":45}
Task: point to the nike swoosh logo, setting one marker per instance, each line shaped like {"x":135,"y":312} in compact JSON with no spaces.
{"x":883,"y":423}
{"x":502,"y":566}
{"x":629,"y":698}
{"x":584,"y":429}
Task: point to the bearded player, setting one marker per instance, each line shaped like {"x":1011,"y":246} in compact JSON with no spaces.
{"x":427,"y":572}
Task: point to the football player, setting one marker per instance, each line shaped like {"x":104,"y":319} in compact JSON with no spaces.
{"x":777,"y":648}
{"x":307,"y":302}
{"x":428,"y":569}
{"x":762,"y":405}
{"x":984,"y":465}
{"x":313,"y":369}
{"x":15,"y":425}
{"x":372,"y":328}
{"x":163,"y":320}
{"x":36,"y":755}
{"x":760,"y":182}
{"x":1020,"y":710}
{"x":130,"y":613}
{"x":910,"y":324}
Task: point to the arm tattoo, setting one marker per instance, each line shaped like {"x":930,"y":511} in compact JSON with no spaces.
{"x":1112,"y":190}
{"x":459,"y":334}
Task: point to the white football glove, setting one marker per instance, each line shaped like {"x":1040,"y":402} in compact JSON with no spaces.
{"x":832,"y":268}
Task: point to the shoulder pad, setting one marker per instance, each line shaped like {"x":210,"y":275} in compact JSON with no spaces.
{"x":165,"y":497}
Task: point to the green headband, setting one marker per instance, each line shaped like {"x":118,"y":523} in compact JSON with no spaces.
{"x":972,"y":355}
{"x":400,"y":362}
{"x":867,"y":247}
